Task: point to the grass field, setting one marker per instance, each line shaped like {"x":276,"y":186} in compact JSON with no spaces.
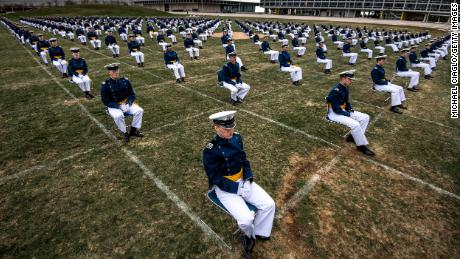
{"x":69,"y":189}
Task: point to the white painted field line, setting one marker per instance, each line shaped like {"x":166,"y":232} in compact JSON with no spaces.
{"x":146,"y":171}
{"x":411,"y":116}
{"x":49,"y":165}
{"x":395,"y":171}
{"x":306,"y":188}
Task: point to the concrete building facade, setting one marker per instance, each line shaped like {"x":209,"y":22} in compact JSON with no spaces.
{"x":210,"y":6}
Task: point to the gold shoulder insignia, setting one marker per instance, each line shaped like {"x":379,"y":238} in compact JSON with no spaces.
{"x":209,"y":146}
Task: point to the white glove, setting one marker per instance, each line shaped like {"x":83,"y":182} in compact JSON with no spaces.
{"x":244,"y":189}
{"x":124,"y":107}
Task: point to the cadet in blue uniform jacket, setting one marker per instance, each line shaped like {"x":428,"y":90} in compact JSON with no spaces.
{"x":383,"y":85}
{"x":364,"y":49}
{"x":111,"y":43}
{"x":286,"y":65}
{"x":57,"y":56}
{"x":42,"y":47}
{"x":424,"y":56}
{"x":134,"y":48}
{"x":265,"y":46}
{"x":172,"y":62}
{"x":93,"y":39}
{"x":118,"y":96}
{"x":403,"y":71}
{"x":231,"y":79}
{"x":415,"y":62}
{"x":232,"y":49}
{"x":341,"y":111}
{"x":189,"y":45}
{"x":229,"y":173}
{"x":296,"y":46}
{"x":321,"y":58}
{"x":346,"y":52}
{"x":78,"y":70}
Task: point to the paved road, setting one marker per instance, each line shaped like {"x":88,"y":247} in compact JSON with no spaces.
{"x":440,"y":26}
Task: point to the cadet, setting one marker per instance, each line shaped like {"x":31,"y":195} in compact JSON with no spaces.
{"x":340,"y":110}
{"x":134,"y":48}
{"x":232,"y":80}
{"x":229,"y":173}
{"x":93,"y":39}
{"x":416,"y":63}
{"x":321,"y":58}
{"x":296,"y":46}
{"x":230,"y":49}
{"x":346,"y":52}
{"x":172,"y":62}
{"x":403,"y":71}
{"x":58,"y":57}
{"x":189,"y":45}
{"x":287,"y":66}
{"x":111,"y":43}
{"x":364,"y":48}
{"x":42,"y":47}
{"x":78,"y":70}
{"x":424,"y":56}
{"x":118,"y":96}
{"x":265,"y":46}
{"x":383,"y":85}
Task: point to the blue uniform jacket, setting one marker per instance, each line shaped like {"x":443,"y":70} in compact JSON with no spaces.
{"x":134,"y":46}
{"x":91,"y":35}
{"x":224,"y":39}
{"x":188,"y":42}
{"x":295,"y":42}
{"x":56,"y":53}
{"x":223,"y":157}
{"x":110,"y":39}
{"x":320,"y":53}
{"x":265,"y":46}
{"x":378,"y":75}
{"x":363,"y":45}
{"x":346,"y":48}
{"x":424,"y":53}
{"x":76,"y":65}
{"x":229,"y":49}
{"x":232,"y":72}
{"x":115,"y":91}
{"x":401,"y":64}
{"x":338,"y":99}
{"x":413,"y":57}
{"x":170,"y":57}
{"x":285,"y":59}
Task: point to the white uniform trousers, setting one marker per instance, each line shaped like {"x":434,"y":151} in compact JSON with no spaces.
{"x":61,"y":65}
{"x":328,"y":62}
{"x":83,"y":81}
{"x":300,"y":50}
{"x":95,"y":43}
{"x":296,"y":72}
{"x":62,"y":33}
{"x":354,"y":42}
{"x":173,"y":38}
{"x":124,"y":36}
{"x":353,"y":57}
{"x":431,"y":60}
{"x":163,"y":45}
{"x":139,"y":56}
{"x":43,"y":54}
{"x":151,"y":34}
{"x":273,"y":54}
{"x":399,"y":44}
{"x":238,"y":90}
{"x":368,"y":51}
{"x":435,"y":55}
{"x":413,"y":75}
{"x":198,"y":42}
{"x":440,"y":52}
{"x":302,"y":40}
{"x":140,"y":39}
{"x":193,"y":52}
{"x":381,"y":49}
{"x":203,"y":37}
{"x":70,"y":35}
{"x":397,"y":92}
{"x":178,"y":69}
{"x":114,"y":48}
{"x":283,"y":41}
{"x":119,"y":117}
{"x":393,"y":47}
{"x":425,"y":66}
{"x":357,"y":122}
{"x":273,"y":37}
{"x":339,"y":44}
{"x":260,"y":224}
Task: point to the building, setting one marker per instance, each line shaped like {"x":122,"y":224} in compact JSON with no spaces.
{"x":215,"y":6}
{"x":417,"y":10}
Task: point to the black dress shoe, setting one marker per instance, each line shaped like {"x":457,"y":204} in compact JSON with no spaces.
{"x":234,"y":103}
{"x":395,"y":109}
{"x":402,"y":106}
{"x":412,"y":89}
{"x":243,"y":68}
{"x":183,"y":79}
{"x":135,"y":132}
{"x":178,"y":81}
{"x":248,"y":244}
{"x":126,"y":137}
{"x":365,"y":150}
{"x":261,"y":238}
